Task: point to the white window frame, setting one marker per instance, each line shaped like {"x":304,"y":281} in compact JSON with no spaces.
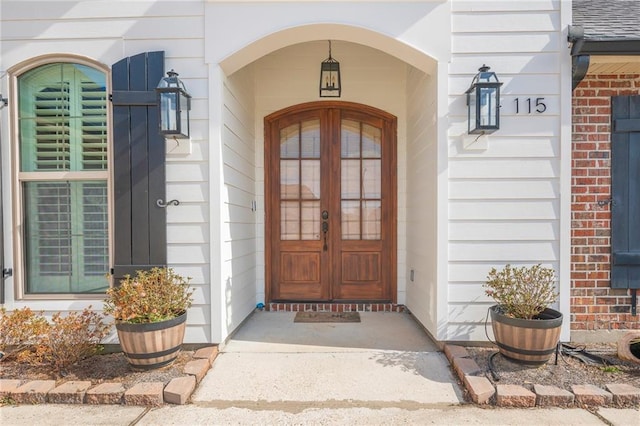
{"x":17,"y":177}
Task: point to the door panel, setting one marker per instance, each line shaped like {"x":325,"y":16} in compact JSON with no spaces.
{"x":330,"y":218}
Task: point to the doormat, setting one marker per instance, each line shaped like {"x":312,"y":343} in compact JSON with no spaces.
{"x":327,"y":317}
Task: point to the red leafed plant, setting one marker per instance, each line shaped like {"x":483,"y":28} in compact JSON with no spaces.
{"x":28,"y":337}
{"x":151,"y":296}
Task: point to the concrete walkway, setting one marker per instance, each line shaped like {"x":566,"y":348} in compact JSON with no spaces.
{"x":386,"y":360}
{"x":382,"y":371}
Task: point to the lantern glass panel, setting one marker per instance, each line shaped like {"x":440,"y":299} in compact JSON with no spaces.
{"x":168,"y":110}
{"x":471,"y":101}
{"x":184,"y":114}
{"x":488,"y":104}
{"x":330,"y":79}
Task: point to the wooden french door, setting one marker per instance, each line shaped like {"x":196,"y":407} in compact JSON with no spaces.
{"x":330,"y":179}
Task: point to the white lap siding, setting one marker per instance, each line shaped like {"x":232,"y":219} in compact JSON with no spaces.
{"x":504,"y":192}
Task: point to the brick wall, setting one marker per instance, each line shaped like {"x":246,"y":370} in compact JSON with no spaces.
{"x":594,"y":305}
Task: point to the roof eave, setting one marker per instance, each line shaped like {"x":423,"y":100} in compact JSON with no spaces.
{"x":607,"y":46}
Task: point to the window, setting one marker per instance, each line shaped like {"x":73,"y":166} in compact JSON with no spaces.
{"x":62,"y":179}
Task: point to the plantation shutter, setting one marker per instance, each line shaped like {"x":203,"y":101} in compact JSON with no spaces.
{"x":62,"y":116}
{"x":140,"y":241}
{"x":625,"y":189}
{"x":51,"y":201}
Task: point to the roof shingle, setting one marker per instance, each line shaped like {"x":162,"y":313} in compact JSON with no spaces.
{"x":608,"y":19}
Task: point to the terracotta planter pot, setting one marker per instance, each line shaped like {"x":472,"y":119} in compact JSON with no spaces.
{"x":152,"y":345}
{"x":526,"y":341}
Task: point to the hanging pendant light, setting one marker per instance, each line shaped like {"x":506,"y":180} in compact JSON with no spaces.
{"x":330,"y":77}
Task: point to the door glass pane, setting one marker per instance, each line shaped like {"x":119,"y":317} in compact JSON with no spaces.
{"x":289,"y":220}
{"x":290,"y":142}
{"x":371,"y":220}
{"x":310,"y":140}
{"x":310,"y":220}
{"x":350,"y":179}
{"x":371,"y":137}
{"x":371,"y":179}
{"x":350,"y":139}
{"x":310,"y":188}
{"x":350,"y":220}
{"x":289,"y":179}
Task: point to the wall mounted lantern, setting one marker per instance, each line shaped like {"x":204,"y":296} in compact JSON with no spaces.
{"x":330,"y":86}
{"x":483,"y":102}
{"x":175,"y":104}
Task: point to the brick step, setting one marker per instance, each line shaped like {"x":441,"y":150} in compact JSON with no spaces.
{"x":335,"y":307}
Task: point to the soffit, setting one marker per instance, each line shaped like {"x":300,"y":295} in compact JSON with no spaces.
{"x":614,"y":65}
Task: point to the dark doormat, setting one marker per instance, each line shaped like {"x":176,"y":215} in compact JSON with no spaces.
{"x":327,"y":317}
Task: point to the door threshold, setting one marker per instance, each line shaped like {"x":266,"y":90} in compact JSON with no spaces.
{"x":334,"y":307}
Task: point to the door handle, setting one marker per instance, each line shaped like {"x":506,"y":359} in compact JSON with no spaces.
{"x":325,"y":228}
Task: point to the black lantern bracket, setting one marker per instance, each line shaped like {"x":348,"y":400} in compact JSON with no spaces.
{"x":475,"y":142}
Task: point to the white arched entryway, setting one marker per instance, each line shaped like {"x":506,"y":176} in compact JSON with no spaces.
{"x":282,"y":69}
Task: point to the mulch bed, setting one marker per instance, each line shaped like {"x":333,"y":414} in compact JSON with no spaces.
{"x":112,"y":368}
{"x":567,"y":372}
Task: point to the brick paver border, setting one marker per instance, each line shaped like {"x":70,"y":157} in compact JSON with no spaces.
{"x":481,"y":390}
{"x":177,"y":391}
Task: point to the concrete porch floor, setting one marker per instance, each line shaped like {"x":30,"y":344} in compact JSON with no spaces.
{"x":386,"y":360}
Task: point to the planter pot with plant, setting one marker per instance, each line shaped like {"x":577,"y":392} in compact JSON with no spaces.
{"x":525,"y":328}
{"x":150,"y":312}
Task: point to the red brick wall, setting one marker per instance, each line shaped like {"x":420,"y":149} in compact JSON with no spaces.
{"x":594,"y":305}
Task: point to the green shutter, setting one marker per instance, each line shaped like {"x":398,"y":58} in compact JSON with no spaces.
{"x":52,"y":130}
{"x":94,"y":126}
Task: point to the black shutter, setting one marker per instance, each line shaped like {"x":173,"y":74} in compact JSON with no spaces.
{"x":625,"y":190}
{"x":2,"y":272}
{"x":140,"y":236}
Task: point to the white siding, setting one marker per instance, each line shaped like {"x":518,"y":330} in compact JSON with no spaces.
{"x":504,"y":198}
{"x":238,"y":234}
{"x":421,"y":199}
{"x":107,"y":32}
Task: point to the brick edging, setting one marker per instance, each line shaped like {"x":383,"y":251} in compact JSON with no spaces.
{"x":482,"y":391}
{"x":335,"y":307}
{"x":177,"y":391}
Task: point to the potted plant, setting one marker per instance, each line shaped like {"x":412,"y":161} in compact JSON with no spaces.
{"x":525,"y":328}
{"x":150,"y":312}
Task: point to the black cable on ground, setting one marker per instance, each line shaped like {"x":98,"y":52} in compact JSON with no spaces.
{"x":492,"y":370}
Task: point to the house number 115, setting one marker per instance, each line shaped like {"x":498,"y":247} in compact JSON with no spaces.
{"x":531,"y":105}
